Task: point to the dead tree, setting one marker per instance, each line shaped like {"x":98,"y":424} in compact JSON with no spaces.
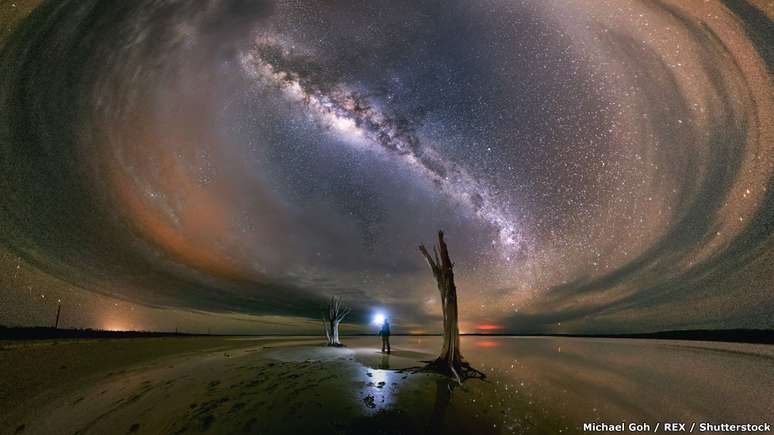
{"x":450,"y":360}
{"x":331,"y":319}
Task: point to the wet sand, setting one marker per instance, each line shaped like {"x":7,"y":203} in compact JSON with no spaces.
{"x":278,"y":386}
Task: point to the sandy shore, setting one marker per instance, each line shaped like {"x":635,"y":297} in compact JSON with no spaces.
{"x":246,"y":386}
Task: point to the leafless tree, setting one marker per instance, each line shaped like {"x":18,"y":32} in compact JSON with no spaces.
{"x":450,"y":361}
{"x":331,"y":319}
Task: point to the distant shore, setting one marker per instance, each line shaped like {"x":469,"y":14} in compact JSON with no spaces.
{"x":47,"y":333}
{"x":759,"y":336}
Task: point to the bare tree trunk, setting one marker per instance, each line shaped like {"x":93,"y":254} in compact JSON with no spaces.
{"x":450,"y":360}
{"x":335,"y":338}
{"x":331,"y":319}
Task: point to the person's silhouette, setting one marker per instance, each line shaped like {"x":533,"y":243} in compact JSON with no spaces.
{"x":385,"y":333}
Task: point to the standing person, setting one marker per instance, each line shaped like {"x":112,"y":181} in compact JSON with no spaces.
{"x":385,"y":333}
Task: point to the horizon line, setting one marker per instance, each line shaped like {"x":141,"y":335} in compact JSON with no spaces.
{"x":742,"y":335}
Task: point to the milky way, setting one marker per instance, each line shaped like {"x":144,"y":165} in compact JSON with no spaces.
{"x":351,"y":113}
{"x":596,"y":166}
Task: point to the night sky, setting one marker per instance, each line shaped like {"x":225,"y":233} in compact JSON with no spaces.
{"x":597,"y":166}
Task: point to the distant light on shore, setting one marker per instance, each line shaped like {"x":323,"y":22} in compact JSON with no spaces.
{"x":116,"y":327}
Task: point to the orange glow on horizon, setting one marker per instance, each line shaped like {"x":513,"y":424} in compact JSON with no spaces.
{"x":489,"y":327}
{"x":115,"y":327}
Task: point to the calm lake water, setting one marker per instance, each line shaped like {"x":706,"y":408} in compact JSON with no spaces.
{"x":613,"y":380}
{"x":535,"y":385}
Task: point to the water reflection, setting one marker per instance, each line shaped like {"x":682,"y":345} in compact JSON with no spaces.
{"x":487,"y":343}
{"x":384,"y":362}
{"x":572,"y":380}
{"x":443,"y":392}
{"x":380,"y":386}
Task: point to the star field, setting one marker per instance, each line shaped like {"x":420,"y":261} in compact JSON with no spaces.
{"x":597,"y":167}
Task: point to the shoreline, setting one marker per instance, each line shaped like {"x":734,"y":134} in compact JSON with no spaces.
{"x":753,"y":336}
